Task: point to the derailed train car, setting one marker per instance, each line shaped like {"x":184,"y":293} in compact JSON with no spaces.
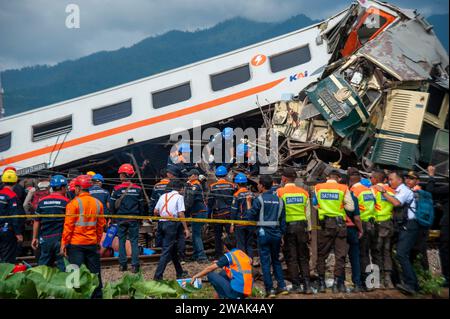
{"x":381,"y":102}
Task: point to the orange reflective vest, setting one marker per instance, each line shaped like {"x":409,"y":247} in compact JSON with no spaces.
{"x":240,"y":271}
{"x":84,"y":221}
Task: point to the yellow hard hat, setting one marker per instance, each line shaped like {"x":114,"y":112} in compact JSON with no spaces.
{"x":91,"y":173}
{"x":9,"y":176}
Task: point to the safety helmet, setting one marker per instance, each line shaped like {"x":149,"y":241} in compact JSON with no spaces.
{"x":227,"y":133}
{"x":72,"y":185}
{"x":184,"y":148}
{"x":91,"y":173}
{"x":9,"y":168}
{"x":221,"y":171}
{"x":241,"y":149}
{"x":9,"y":176}
{"x":84,"y":181}
{"x":126,"y":169}
{"x":58,"y":181}
{"x":240,"y":178}
{"x":366,"y":182}
{"x":98,"y":177}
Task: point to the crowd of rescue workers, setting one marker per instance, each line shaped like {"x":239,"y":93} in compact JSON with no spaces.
{"x":373,"y":221}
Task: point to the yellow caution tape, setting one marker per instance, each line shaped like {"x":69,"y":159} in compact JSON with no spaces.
{"x":175,"y":219}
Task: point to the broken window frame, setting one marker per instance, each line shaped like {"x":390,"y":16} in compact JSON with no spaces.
{"x":169,"y":91}
{"x":5,"y":141}
{"x":112,"y":116}
{"x":349,"y":47}
{"x":438,"y":120}
{"x":52,"y":132}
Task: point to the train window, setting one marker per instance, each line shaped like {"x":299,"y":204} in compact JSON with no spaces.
{"x":236,"y":76}
{"x":172,"y":95}
{"x":111,"y":112}
{"x":50,"y":129}
{"x":5,"y":142}
{"x":289,"y":59}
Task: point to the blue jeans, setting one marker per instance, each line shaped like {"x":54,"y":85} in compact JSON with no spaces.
{"x":88,"y":255}
{"x":406,"y":240}
{"x":50,"y":248}
{"x":353,"y":254}
{"x":245,"y":239}
{"x":197,"y":241}
{"x":222,"y":285}
{"x":269,"y":251}
{"x":128,"y":229}
{"x":169,"y":232}
{"x":181,"y":242}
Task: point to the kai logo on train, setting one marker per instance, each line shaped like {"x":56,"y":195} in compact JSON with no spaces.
{"x":297,"y":76}
{"x":259,"y":59}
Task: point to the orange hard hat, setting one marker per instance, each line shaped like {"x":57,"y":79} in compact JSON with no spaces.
{"x":84,"y":181}
{"x":91,"y":173}
{"x":126,"y":169}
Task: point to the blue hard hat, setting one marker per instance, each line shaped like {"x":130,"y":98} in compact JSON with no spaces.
{"x":241,"y":149}
{"x":98,"y":177}
{"x":227,"y":133}
{"x":58,"y":181}
{"x":240,"y":178}
{"x":221,"y":171}
{"x":184,"y":148}
{"x":366,"y":182}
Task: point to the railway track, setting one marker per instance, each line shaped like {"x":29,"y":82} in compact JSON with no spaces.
{"x":108,"y":262}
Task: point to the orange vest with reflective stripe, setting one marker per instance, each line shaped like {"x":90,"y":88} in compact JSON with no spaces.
{"x":84,"y":221}
{"x":240,"y":272}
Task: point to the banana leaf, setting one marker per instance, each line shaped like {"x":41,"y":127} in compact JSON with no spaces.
{"x":122,"y":287}
{"x":17,"y":286}
{"x":160,"y":289}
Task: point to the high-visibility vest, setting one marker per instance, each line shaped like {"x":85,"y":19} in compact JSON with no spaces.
{"x":384,"y":210}
{"x":295,"y":200}
{"x":240,"y":272}
{"x":87,"y":228}
{"x":366,"y":201}
{"x":330,"y":199}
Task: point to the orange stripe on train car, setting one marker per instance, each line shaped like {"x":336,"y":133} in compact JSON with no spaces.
{"x":139,"y":124}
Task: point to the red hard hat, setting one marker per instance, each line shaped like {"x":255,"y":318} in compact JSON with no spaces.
{"x":127,"y":169}
{"x":84,"y":181}
{"x":9,"y":168}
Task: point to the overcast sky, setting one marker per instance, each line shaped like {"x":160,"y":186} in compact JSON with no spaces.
{"x":34,"y":32}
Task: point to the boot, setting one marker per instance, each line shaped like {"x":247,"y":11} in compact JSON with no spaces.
{"x":322,"y":287}
{"x":307,"y":287}
{"x":387,"y":281}
{"x":338,"y":286}
{"x":135,"y":269}
{"x":123,"y":268}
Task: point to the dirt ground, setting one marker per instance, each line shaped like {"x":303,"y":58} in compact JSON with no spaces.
{"x":148,"y":271}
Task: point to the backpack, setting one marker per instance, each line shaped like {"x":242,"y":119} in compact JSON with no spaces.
{"x":424,"y":210}
{"x":37,"y":196}
{"x":189,"y":194}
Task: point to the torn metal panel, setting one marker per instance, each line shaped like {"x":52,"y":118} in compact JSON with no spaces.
{"x":397,"y":52}
{"x":338,"y":103}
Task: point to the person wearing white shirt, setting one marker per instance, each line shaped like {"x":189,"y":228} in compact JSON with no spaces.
{"x":170,"y":205}
{"x":408,"y":232}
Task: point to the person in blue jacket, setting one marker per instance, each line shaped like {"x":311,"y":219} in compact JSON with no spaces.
{"x":269,"y":211}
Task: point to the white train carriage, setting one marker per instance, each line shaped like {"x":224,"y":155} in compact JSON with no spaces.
{"x":208,"y":91}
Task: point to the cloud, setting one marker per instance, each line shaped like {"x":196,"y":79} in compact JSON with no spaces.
{"x":33,"y":31}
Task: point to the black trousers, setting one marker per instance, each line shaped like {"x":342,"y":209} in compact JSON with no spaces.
{"x":169,"y":232}
{"x":8,"y":247}
{"x":89,"y":256}
{"x":296,"y":251}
